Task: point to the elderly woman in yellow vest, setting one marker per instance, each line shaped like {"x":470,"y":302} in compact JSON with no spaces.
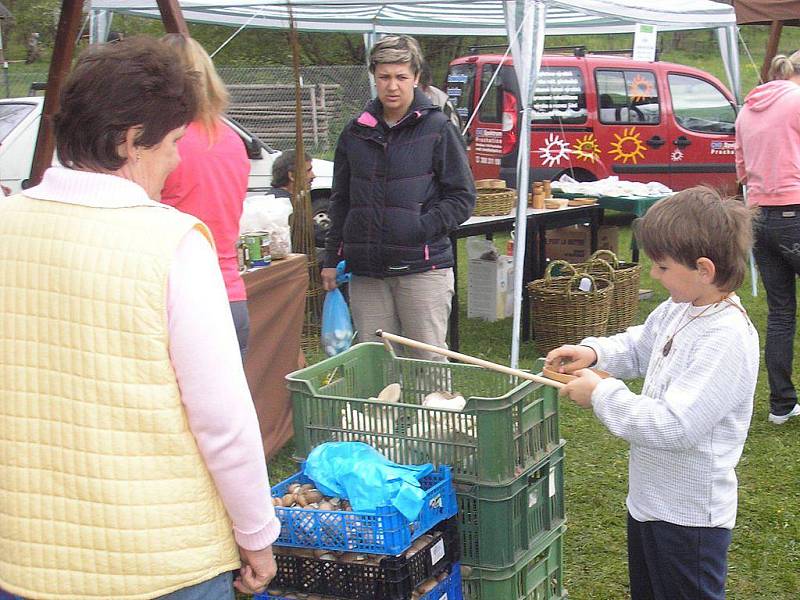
{"x":131,"y":464}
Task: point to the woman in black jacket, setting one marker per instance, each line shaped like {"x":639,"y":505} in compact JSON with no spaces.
{"x":401,"y":184}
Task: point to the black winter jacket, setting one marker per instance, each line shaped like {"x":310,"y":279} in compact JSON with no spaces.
{"x":398,"y":192}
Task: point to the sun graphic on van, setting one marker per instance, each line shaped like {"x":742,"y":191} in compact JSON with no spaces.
{"x":641,"y":88}
{"x":628,"y":146}
{"x":586,"y":148}
{"x":554,"y":150}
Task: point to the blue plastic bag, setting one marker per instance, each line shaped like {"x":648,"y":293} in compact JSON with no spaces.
{"x":358,"y":472}
{"x":337,"y":328}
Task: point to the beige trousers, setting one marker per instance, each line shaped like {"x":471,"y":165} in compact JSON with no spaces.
{"x":416,"y":306}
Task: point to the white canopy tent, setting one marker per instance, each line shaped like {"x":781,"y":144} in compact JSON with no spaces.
{"x":523,"y":21}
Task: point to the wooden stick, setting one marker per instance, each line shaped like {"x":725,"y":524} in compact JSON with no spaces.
{"x":390,"y":337}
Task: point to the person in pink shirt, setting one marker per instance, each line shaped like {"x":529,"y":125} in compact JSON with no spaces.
{"x":211,"y":181}
{"x":768,"y":162}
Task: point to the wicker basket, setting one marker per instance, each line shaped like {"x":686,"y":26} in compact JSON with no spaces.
{"x":492,"y":202}
{"x":625,"y":297}
{"x":561,"y":313}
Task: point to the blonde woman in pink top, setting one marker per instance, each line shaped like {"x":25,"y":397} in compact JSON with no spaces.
{"x":211,"y":180}
{"x":768,"y":162}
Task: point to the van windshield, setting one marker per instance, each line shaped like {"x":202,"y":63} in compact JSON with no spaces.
{"x":559,"y":97}
{"x":11,"y":115}
{"x":460,"y":86}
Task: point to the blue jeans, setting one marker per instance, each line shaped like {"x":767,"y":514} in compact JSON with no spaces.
{"x":218,"y":588}
{"x":673,"y":562}
{"x":777,"y":253}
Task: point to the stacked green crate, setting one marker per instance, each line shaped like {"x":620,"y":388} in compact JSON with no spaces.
{"x":503,"y":447}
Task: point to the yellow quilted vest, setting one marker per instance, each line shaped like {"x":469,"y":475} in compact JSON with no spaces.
{"x":103,"y":492}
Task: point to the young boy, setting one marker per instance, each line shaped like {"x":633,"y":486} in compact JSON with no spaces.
{"x":698,"y":353}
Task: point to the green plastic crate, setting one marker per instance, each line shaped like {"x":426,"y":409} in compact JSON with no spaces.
{"x":508,"y":425}
{"x":539,"y":575}
{"x":500,"y":524}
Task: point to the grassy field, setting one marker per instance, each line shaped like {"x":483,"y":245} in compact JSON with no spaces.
{"x":764,"y":557}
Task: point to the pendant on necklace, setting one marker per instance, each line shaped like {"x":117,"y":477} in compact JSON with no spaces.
{"x":667,"y":347}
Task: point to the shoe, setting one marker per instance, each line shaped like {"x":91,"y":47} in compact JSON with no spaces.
{"x":781,"y":419}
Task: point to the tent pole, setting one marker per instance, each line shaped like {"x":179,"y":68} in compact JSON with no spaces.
{"x":68,"y":25}
{"x":369,"y":41}
{"x":775,"y":30}
{"x":172,"y":17}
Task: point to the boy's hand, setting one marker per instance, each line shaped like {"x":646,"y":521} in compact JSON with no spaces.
{"x":580,"y":390}
{"x":567,"y":359}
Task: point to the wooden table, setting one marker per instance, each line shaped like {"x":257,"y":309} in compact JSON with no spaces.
{"x":276,"y":302}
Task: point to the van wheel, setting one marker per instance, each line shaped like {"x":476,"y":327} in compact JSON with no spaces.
{"x":322,"y":222}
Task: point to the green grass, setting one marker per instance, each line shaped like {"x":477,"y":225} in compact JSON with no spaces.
{"x":764,"y":556}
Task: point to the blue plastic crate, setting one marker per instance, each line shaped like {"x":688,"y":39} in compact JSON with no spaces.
{"x":449,"y":589}
{"x":386,"y":531}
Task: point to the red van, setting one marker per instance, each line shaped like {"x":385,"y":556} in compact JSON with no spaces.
{"x":598,"y":115}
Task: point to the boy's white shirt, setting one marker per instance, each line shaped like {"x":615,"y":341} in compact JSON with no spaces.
{"x":688,"y":426}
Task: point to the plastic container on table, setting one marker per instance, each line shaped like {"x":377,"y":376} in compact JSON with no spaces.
{"x":508,"y":425}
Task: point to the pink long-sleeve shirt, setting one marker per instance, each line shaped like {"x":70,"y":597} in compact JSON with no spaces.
{"x":210,"y":183}
{"x":768,"y":144}
{"x":205,"y":355}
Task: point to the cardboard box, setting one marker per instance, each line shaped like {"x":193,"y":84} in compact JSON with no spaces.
{"x":489,"y":285}
{"x":574,"y":243}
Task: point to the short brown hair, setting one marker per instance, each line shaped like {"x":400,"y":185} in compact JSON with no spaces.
{"x":284,"y":165}
{"x":699,"y":222}
{"x":396,"y":49}
{"x":113,"y":87}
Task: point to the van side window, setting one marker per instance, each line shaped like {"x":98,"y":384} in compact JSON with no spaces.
{"x":491,"y":110}
{"x":559,"y":97}
{"x":627,"y":96}
{"x":700,"y":106}
{"x":460,"y":86}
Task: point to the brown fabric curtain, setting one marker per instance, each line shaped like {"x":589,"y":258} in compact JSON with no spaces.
{"x":276,"y":301}
{"x":765,"y":11}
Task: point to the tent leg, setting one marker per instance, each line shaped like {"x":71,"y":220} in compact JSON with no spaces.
{"x":775,"y":30}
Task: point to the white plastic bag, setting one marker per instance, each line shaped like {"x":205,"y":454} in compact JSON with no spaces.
{"x":269,"y":213}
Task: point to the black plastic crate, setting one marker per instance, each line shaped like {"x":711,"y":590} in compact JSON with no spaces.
{"x":367,"y":576}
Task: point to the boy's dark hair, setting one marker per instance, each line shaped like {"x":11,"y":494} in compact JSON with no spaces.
{"x":113,"y":87}
{"x":284,"y":165}
{"x":699,"y":222}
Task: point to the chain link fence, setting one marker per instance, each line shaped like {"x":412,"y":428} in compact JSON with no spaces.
{"x":263,"y":101}
{"x":14,"y":85}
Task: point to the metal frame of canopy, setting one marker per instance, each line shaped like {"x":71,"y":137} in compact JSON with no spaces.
{"x":523,"y":21}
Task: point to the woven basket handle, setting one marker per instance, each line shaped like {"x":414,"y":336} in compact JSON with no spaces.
{"x":612,"y":274}
{"x":606,"y":255}
{"x":558,"y":263}
{"x":575,"y":281}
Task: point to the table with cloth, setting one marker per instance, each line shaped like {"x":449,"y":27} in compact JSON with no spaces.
{"x":276,"y":302}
